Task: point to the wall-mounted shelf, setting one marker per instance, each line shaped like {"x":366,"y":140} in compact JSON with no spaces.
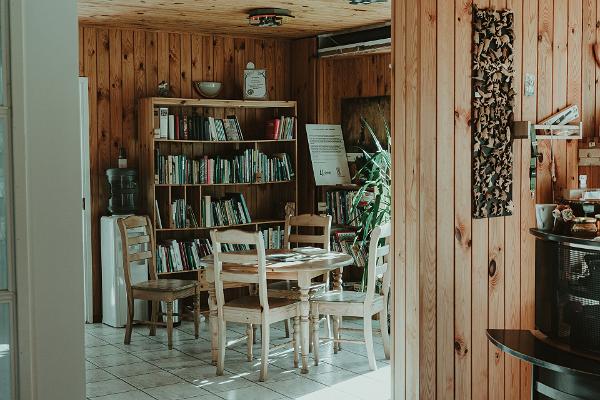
{"x":523,"y":129}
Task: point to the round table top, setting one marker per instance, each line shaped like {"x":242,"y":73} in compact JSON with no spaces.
{"x":304,"y":262}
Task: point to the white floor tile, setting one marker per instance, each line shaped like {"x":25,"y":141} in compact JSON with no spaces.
{"x":102,"y":350}
{"x":113,"y":359}
{"x":177,"y":391}
{"x":294,"y":388}
{"x":250,"y":393}
{"x":138,"y":368}
{"x":153,"y":379}
{"x":131,"y":395}
{"x":110,"y":386}
{"x":97,"y":375}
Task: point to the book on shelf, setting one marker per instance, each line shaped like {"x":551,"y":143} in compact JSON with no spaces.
{"x":273,"y":237}
{"x":249,"y":167}
{"x":192,"y":126}
{"x":157,"y":212}
{"x":339,"y":206}
{"x":344,"y":242}
{"x":173,"y":255}
{"x":182,"y":215}
{"x":280,"y":128}
{"x":230,"y":210}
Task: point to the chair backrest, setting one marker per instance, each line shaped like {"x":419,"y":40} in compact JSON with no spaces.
{"x":293,"y":225}
{"x":378,"y":266}
{"x":137,"y":241}
{"x":255,"y":257}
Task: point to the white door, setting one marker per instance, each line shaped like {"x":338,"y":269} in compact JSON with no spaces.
{"x":86,"y":216}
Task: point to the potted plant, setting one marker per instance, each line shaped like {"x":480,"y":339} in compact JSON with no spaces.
{"x":373,"y":203}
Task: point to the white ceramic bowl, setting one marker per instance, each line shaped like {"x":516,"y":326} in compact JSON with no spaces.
{"x":208,"y":89}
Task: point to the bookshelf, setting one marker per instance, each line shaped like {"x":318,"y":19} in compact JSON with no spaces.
{"x":259,"y":183}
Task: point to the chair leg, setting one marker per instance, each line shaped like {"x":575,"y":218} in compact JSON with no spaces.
{"x":254,"y":334}
{"x":170,"y":324}
{"x":296,"y":336}
{"x":222,"y":328}
{"x":129,"y":326}
{"x":154,"y":317}
{"x":315,"y":322}
{"x":197,"y":315}
{"x":328,"y":325}
{"x":336,"y":322}
{"x":368,"y":332}
{"x":340,"y":324}
{"x":287,"y":328}
{"x":266,"y":343}
{"x":250,"y":340}
{"x":385,"y":335}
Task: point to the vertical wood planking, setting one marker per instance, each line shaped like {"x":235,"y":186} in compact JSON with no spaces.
{"x":175,"y":64}
{"x":162,"y":57}
{"x":544,"y":99}
{"x":528,"y":111}
{"x":574,"y":82}
{"x":445,"y":201}
{"x":463,"y":352}
{"x":186,"y":65}
{"x":128,"y":84}
{"x":559,"y":86}
{"x":427,"y":199}
{"x":512,"y":290}
{"x":151,"y":63}
{"x":104,"y":120}
{"x":412,"y":189}
{"x":116,"y":96}
{"x":81,"y":52}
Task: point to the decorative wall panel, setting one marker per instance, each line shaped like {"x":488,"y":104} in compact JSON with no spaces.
{"x":492,"y":110}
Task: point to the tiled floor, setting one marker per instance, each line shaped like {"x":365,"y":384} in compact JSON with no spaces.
{"x":146,"y":370}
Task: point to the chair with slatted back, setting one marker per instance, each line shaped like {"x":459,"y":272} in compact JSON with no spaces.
{"x":138,"y":243}
{"x":293,"y":235}
{"x":360,"y":304}
{"x":249,"y":267}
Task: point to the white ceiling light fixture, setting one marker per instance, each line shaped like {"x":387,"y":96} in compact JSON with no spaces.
{"x":268,"y":17}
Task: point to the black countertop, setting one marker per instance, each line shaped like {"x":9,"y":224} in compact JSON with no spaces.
{"x":525,"y":346}
{"x":556,"y":237}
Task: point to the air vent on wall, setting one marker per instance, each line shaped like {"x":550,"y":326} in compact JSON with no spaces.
{"x":373,"y":39}
{"x":268,"y":17}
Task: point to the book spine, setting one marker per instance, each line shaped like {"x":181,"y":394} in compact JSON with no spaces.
{"x":164,"y":122}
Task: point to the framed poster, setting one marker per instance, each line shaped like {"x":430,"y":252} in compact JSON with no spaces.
{"x":255,"y":83}
{"x":328,"y":154}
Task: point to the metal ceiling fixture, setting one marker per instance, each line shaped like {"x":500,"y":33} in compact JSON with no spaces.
{"x":366,"y":1}
{"x":268,"y":17}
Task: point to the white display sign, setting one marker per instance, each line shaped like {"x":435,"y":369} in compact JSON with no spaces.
{"x":328,"y":154}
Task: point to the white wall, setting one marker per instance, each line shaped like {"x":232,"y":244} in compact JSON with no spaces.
{"x":47,"y":199}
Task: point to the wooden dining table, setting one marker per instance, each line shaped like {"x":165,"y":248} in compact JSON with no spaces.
{"x":303,"y":269}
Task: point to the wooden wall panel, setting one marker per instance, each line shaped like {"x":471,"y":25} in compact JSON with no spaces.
{"x":486,"y":278}
{"x":126,"y":65}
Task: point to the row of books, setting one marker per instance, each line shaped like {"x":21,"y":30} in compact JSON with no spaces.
{"x":273,"y":237}
{"x":173,"y":255}
{"x":339,"y":206}
{"x":184,"y":126}
{"x":181,"y":215}
{"x":231,"y":210}
{"x":344,"y":241}
{"x":249,"y":167}
{"x":281,"y":128}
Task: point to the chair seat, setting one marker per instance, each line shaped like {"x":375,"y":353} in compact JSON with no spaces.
{"x":253,"y":302}
{"x":292,"y":286}
{"x":165,"y":285}
{"x":339,"y":296}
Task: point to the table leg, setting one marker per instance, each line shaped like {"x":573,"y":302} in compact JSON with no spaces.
{"x":337,"y":279}
{"x":304,"y":285}
{"x":212,"y":305}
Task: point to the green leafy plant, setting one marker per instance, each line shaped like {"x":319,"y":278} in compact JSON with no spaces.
{"x":373,"y":202}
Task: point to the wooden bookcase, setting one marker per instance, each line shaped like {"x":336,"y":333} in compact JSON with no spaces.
{"x":265,"y":200}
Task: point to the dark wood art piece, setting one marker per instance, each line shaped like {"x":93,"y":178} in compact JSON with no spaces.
{"x":492,"y":112}
{"x":374,"y":110}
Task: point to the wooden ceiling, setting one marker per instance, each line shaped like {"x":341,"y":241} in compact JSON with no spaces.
{"x":230,"y":16}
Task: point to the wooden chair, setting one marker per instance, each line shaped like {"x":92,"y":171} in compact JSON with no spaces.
{"x":154,"y":290}
{"x":293,"y":224}
{"x":254,"y":309}
{"x":360,"y":304}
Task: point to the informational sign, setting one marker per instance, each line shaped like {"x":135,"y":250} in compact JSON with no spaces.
{"x":328,"y":154}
